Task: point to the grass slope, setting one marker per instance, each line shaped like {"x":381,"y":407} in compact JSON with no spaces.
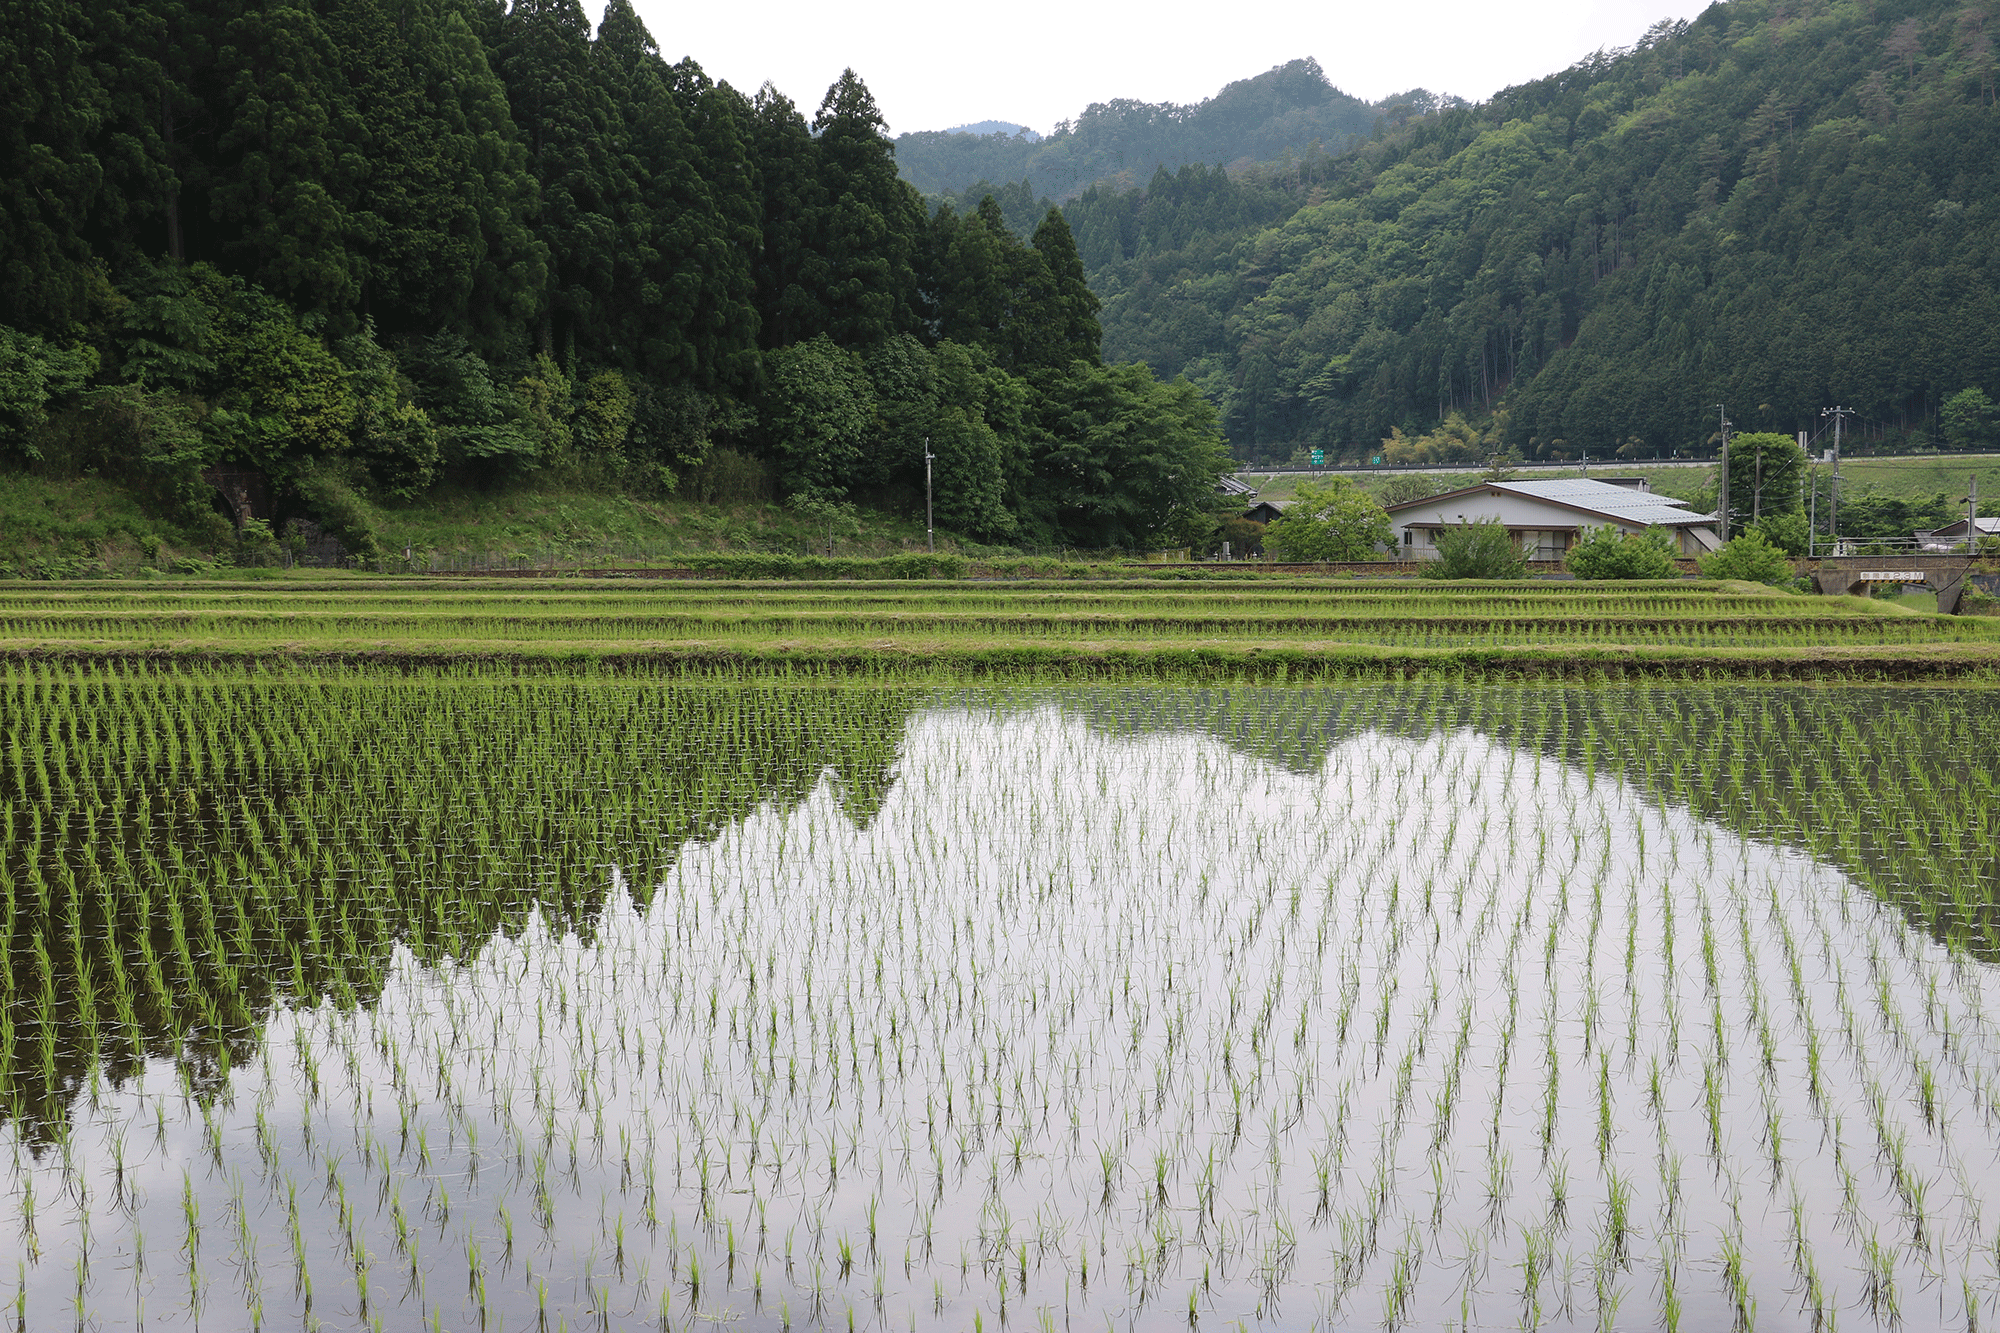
{"x":1905,"y":477}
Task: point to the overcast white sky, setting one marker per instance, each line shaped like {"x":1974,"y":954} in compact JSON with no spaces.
{"x":933,"y":66}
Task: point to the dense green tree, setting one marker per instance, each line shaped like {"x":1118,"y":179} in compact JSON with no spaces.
{"x":1058,"y":309}
{"x":50,"y":104}
{"x":1970,"y":419}
{"x":725,"y":325}
{"x":481,"y":423}
{"x":1329,"y":519}
{"x":903,"y":374}
{"x":1122,"y":458}
{"x":434,"y":184}
{"x":816,"y":414}
{"x":870,"y":221}
{"x":393,"y":437}
{"x":792,"y":273}
{"x":974,"y":462}
{"x":975,"y":277}
{"x":1767,"y":473}
{"x":661,"y":214}
{"x":283,"y":181}
{"x":572,"y":136}
{"x":34,"y":375}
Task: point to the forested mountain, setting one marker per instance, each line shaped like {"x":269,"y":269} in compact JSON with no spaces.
{"x":994,"y":127}
{"x":363,"y":245}
{"x":1289,"y":109}
{"x":1780,"y":206}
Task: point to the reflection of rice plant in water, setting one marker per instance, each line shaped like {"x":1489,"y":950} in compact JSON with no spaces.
{"x":491,"y":1003}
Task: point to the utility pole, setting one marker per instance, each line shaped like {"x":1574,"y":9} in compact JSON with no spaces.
{"x":930,"y":533}
{"x":1833,"y":493}
{"x":1972,"y":519}
{"x":1812,"y":508}
{"x":1757,"y":485}
{"x":1722,"y":506}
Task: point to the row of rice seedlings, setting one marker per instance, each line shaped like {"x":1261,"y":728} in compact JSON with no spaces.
{"x":1072,"y":1023}
{"x":1408,"y":616}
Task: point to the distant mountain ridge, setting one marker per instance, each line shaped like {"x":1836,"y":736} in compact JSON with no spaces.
{"x":1775,"y":206}
{"x":1123,"y":142}
{"x":1006,"y":127}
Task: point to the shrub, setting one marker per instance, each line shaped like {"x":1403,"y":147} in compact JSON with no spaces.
{"x":1606,"y":553}
{"x":339,"y":509}
{"x":726,"y":477}
{"x":1482,"y":550}
{"x":1751,"y":559}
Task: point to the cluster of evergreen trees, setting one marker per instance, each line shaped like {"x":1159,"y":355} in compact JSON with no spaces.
{"x":376,"y":243}
{"x":1778,"y":206}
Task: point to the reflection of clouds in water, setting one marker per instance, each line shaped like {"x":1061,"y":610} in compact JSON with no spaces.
{"x":1153,"y":1009}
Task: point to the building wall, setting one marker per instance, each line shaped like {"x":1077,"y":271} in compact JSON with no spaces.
{"x":1551,"y":528}
{"x":1554,"y":527}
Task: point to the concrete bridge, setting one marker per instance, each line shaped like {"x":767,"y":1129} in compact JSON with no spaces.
{"x":1942,"y":572}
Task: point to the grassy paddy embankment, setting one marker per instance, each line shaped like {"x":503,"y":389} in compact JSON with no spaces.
{"x":1270,"y":629}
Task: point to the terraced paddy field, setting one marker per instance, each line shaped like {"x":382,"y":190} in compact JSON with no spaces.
{"x":913,"y":628}
{"x":356,"y":997}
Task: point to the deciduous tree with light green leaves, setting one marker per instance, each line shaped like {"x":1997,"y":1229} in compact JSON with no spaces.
{"x":1333,"y":519}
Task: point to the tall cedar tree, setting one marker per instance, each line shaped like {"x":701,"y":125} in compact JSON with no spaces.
{"x":1059,"y":305}
{"x":792,"y":272}
{"x":50,"y":103}
{"x":726,"y":320}
{"x":570,"y":128}
{"x":976,"y":268}
{"x":870,"y":224}
{"x":284,"y":183}
{"x":443,"y":242}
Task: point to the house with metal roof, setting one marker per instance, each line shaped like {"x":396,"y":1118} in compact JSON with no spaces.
{"x":1953,"y":534}
{"x":1547,"y":517}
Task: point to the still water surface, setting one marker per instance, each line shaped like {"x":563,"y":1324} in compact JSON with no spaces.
{"x":1093,"y":1017}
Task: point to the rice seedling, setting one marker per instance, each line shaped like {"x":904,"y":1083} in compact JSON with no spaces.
{"x":934,"y":628}
{"x":1105,"y":999}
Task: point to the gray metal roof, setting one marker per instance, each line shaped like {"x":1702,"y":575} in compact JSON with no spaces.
{"x":1612,"y":501}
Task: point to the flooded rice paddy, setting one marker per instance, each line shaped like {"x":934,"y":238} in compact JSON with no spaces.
{"x":357,"y":1002}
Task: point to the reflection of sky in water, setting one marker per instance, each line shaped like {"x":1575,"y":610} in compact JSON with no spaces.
{"x":1082,"y":1026}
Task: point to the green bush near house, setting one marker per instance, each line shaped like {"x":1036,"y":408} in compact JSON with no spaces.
{"x":1751,"y":559}
{"x":1482,"y":550}
{"x":1606,"y":553}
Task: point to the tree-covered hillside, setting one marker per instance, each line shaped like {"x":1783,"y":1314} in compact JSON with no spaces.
{"x":1779,"y":206}
{"x":369,"y":245}
{"x":1289,"y":109}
